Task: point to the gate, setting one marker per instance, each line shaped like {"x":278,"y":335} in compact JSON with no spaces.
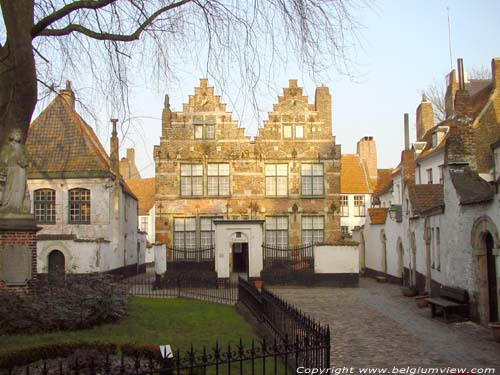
{"x":288,"y":265}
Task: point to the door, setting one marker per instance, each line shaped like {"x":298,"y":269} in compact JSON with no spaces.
{"x":56,"y":263}
{"x":240,"y":257}
{"x":492,"y":279}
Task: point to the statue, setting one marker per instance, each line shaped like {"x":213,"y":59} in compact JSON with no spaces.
{"x":14,"y":195}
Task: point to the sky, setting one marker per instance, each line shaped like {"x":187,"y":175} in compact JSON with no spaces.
{"x":403,"y":47}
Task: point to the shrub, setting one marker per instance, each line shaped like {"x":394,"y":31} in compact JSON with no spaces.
{"x":74,"y":302}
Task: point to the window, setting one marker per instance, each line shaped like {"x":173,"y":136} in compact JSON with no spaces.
{"x":344,"y":205}
{"x":191,"y":180}
{"x":207,"y":232}
{"x":204,"y":128}
{"x":434,"y":139}
{"x":276,"y":180}
{"x":185,"y":233}
{"x":45,"y":206}
{"x":312,"y":179}
{"x":287,"y":131}
{"x":433,"y":249}
{"x":277,"y":230}
{"x":438,"y":250}
{"x":144,"y":223}
{"x":359,"y":205}
{"x":440,"y":173}
{"x":429,"y":175}
{"x":313,"y":229}
{"x":299,"y":131}
{"x":344,"y":230}
{"x":79,"y":206}
{"x":218,"y":179}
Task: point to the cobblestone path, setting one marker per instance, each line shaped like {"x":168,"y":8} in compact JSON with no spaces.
{"x":374,"y":325}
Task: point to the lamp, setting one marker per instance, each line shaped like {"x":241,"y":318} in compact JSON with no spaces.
{"x":396,"y":212}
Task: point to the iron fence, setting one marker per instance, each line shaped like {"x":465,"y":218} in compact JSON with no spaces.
{"x":203,"y":254}
{"x":288,"y":252}
{"x":288,"y":265}
{"x":200,"y":288}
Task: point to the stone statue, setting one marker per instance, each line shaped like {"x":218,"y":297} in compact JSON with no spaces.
{"x":14,"y":196}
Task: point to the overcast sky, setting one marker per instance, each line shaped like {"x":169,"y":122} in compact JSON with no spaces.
{"x":403,"y":48}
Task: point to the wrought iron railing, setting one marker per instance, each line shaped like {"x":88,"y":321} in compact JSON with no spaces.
{"x":186,"y":254}
{"x":288,"y":252}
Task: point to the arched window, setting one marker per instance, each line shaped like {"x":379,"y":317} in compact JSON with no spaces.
{"x":56,"y":263}
{"x":79,"y":206}
{"x":45,"y":206}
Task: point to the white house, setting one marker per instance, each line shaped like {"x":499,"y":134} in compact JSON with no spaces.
{"x":87,"y":213}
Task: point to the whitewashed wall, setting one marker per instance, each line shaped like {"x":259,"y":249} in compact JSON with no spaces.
{"x":336,"y":259}
{"x":351,"y":221}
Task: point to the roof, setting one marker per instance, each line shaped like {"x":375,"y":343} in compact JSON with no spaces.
{"x":427,"y":138}
{"x":353,"y":175}
{"x":471,"y":188}
{"x":378,"y":215}
{"x":60,"y":141}
{"x":425,"y":197}
{"x":384,"y":178}
{"x":144,"y":189}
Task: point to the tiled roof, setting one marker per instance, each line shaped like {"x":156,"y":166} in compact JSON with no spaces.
{"x":60,"y":141}
{"x":424,"y":197}
{"x":384,"y":179}
{"x":353,"y":175}
{"x":471,"y":188}
{"x":378,"y":215}
{"x":144,"y":189}
{"x":480,"y":98}
{"x":427,"y":138}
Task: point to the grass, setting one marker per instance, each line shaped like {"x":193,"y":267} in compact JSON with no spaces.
{"x":178,"y":322}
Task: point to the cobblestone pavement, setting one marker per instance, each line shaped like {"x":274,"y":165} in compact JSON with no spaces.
{"x":374,"y":325}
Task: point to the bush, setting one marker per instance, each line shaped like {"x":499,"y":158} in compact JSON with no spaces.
{"x":75,"y":302}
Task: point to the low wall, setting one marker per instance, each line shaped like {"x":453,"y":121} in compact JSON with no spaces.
{"x":336,"y":264}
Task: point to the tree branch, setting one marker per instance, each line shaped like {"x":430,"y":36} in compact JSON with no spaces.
{"x":66,"y":10}
{"x":111,"y":36}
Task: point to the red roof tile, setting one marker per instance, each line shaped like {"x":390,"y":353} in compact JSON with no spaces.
{"x":378,"y":215}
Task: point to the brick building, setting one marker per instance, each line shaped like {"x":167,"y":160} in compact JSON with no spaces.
{"x":288,"y":176}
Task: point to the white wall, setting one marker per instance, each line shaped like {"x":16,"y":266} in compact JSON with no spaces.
{"x":336,"y":259}
{"x":431,"y":162}
{"x":351,"y":221}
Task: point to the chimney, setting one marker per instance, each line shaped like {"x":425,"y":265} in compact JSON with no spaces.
{"x":114,"y":154}
{"x":495,"y":71}
{"x":461,"y":74}
{"x":131,"y":154}
{"x":367,"y":151}
{"x":463,"y":107}
{"x":451,"y":90}
{"x":408,"y":166}
{"x":68,"y":95}
{"x":425,"y":117}
{"x":407,"y":131}
{"x":166,"y":116}
{"x":323,"y":105}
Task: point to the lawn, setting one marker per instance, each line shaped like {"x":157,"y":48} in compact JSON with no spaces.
{"x":175,"y":321}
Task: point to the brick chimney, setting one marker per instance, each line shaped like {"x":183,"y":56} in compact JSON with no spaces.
{"x":407,"y":131}
{"x":495,"y":71}
{"x":323,"y":105}
{"x":131,"y":155}
{"x":425,"y":117}
{"x":68,"y":95}
{"x":114,"y":154}
{"x":451,"y":90}
{"x":367,"y":151}
{"x":408,"y":166}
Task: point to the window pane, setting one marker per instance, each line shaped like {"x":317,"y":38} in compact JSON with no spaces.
{"x":281,"y":187}
{"x":185,"y":170}
{"x":287,"y":131}
{"x":223,"y":185}
{"x":270,"y":169}
{"x":270,"y":185}
{"x":197,"y":185}
{"x":210,"y":129}
{"x":318,"y":222}
{"x":213,"y":186}
{"x":307,"y":186}
{"x":307,"y":222}
{"x":307,"y":169}
{"x":270,"y":222}
{"x":190,"y":224}
{"x":317,"y":169}
{"x":198,"y":131}
{"x":223,"y":169}
{"x":282,"y":222}
{"x":299,"y":131}
{"x":213,"y":169}
{"x":197,"y":170}
{"x":317,"y":185}
{"x":282,"y":169}
{"x":185,"y":185}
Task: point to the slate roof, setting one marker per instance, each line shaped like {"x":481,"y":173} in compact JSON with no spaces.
{"x":60,"y":141}
{"x":424,"y":197}
{"x":144,"y":189}
{"x":378,"y":215}
{"x":471,"y":188}
{"x":353,"y":176}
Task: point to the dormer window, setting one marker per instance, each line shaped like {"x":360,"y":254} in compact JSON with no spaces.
{"x":434,"y":140}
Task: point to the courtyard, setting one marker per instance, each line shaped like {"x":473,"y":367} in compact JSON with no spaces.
{"x":376,"y":326}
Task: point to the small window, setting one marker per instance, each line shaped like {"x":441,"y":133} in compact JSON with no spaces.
{"x":218,"y":179}
{"x":79,"y":206}
{"x":313,"y":229}
{"x":185,"y":233}
{"x":440,"y":172}
{"x":276,"y":180}
{"x":210,"y":132}
{"x":344,"y":205}
{"x":344,"y":230}
{"x":191,"y":180}
{"x":429,"y":176}
{"x":359,"y":206}
{"x":287,"y":131}
{"x":434,"y":139}
{"x":144,"y":223}
{"x":299,"y":131}
{"x":277,"y":230}
{"x":198,"y":132}
{"x":45,"y":206}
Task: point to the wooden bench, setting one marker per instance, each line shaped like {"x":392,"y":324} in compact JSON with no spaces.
{"x":452,"y":302}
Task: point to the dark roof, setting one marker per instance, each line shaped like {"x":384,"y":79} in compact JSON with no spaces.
{"x":476,"y":85}
{"x":425,"y":197}
{"x":60,"y":141}
{"x":471,"y":188}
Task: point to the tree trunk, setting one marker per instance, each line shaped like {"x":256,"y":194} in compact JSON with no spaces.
{"x":18,"y":84}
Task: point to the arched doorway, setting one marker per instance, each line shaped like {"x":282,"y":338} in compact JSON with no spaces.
{"x":56,"y":262}
{"x":400,"y":255}
{"x":492,"y":278}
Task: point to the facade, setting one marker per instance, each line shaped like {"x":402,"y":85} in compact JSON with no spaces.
{"x":443,"y":228}
{"x":87,"y":212}
{"x":288,"y":176}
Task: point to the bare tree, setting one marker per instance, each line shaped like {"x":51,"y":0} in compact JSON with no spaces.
{"x":40,"y":40}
